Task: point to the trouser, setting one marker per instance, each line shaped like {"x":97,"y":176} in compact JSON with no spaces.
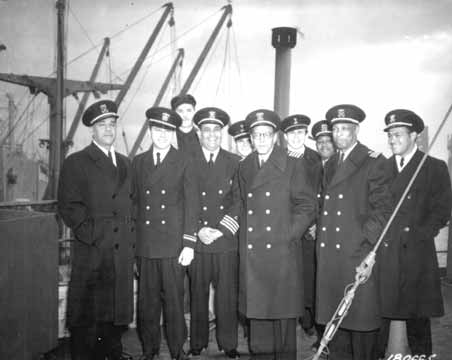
{"x":419,"y":336}
{"x":353,"y":345}
{"x":97,"y":342}
{"x":161,"y":284}
{"x":273,"y":338}
{"x":220,"y":269}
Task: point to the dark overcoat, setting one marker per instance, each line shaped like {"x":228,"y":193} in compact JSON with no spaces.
{"x":275,"y":208}
{"x":356,"y":206}
{"x":188,"y":143}
{"x":215,"y":186}
{"x":167,"y":204}
{"x":94,"y":200}
{"x":409,"y":274}
{"x":310,"y":161}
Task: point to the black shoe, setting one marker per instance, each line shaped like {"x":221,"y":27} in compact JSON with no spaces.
{"x":181,"y":356}
{"x":194,"y":352}
{"x":232,"y":354}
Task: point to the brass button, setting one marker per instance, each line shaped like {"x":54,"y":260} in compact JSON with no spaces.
{"x":267,"y":211}
{"x":338,"y":229}
{"x":324,"y":228}
{"x":203,"y":193}
{"x":204,"y":208}
{"x":340,"y":196}
{"x":163,"y":222}
{"x":250,"y":229}
{"x":325,"y":213}
{"x":269,"y":246}
{"x":339,"y":213}
{"x":162,"y":206}
{"x":250,"y":195}
{"x":406,"y":229}
{"x":250,"y":212}
{"x":268,"y":228}
{"x":221,"y":207}
{"x":220,"y":191}
{"x":338,"y":246}
{"x":147,"y":222}
{"x":327,"y":197}
{"x":267,"y":193}
{"x":322,"y":244}
{"x":163,"y":192}
{"x":148,"y":207}
{"x":148,"y":192}
{"x":250,"y":246}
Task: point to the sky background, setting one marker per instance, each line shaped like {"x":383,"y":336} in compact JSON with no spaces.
{"x":379,"y":55}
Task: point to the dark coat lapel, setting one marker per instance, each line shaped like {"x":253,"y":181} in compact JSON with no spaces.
{"x":122,"y":171}
{"x":401,"y":179}
{"x":106,"y":168}
{"x":273,"y":167}
{"x":351,"y":164}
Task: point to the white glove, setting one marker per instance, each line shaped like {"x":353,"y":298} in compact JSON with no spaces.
{"x":208,"y":235}
{"x":186,"y":256}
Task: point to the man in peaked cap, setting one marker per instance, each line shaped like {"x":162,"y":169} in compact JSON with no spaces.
{"x":94,"y":201}
{"x":241,"y":136}
{"x":409,"y":279}
{"x":295,"y":129}
{"x":187,"y":137}
{"x":167,"y":205}
{"x":323,"y":135}
{"x":216,"y":258}
{"x":273,"y":207}
{"x":356,"y":206}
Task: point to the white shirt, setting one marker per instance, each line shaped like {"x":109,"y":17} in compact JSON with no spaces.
{"x":348,"y":151}
{"x":162,"y":153}
{"x":105,"y":151}
{"x":265,"y":157}
{"x":207,"y":154}
{"x":406,"y":158}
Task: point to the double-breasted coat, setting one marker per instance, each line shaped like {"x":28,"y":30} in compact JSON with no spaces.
{"x":409,"y":275}
{"x":356,"y":206}
{"x":274,"y":208}
{"x":94,"y":200}
{"x":215,"y":186}
{"x":167,"y":204}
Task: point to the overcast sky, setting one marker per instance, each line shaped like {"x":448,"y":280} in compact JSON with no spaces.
{"x":379,"y":55}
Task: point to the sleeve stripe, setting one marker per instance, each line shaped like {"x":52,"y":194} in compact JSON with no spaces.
{"x":189,"y":237}
{"x":230,"y":224}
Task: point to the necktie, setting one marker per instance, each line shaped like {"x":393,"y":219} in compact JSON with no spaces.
{"x":341,"y":158}
{"x":157,"y":163}
{"x":402,"y":161}
{"x":261,"y":163}
{"x":211,"y":160}
{"x":110,"y":156}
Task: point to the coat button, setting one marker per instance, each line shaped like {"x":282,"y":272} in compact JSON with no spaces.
{"x":115,"y":229}
{"x":268,"y":228}
{"x":148,"y":192}
{"x":113,"y":196}
{"x":325,"y":213}
{"x":220,"y":191}
{"x":162,"y":206}
{"x":338,"y":246}
{"x":204,"y":208}
{"x":324,"y":228}
{"x":250,"y":229}
{"x":221,"y":207}
{"x":203,"y":193}
{"x":267,"y":211}
{"x":386,"y":244}
{"x":340,"y":196}
{"x":250,"y":195}
{"x":338,"y":229}
{"x":116,"y":246}
{"x":163,"y":222}
{"x":318,"y":196}
{"x":163,"y":192}
{"x":409,"y":197}
{"x":250,"y":212}
{"x":339,"y":213}
{"x":148,"y":207}
{"x":322,"y":244}
{"x":269,"y":246}
{"x":327,"y":197}
{"x":267,"y":194}
{"x":406,"y":229}
{"x":206,"y":222}
{"x":147,"y":222}
{"x":250,"y":246}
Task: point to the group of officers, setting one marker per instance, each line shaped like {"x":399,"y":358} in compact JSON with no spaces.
{"x":278,"y":231}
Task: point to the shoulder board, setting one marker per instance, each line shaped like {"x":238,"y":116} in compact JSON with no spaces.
{"x":374,"y":154}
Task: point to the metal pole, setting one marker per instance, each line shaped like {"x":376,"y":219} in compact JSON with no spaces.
{"x":140,"y":137}
{"x":284,"y":40}
{"x":144,"y":53}
{"x":11,"y":116}
{"x":449,"y":239}
{"x":188,"y":83}
{"x":81,"y":106}
{"x":56,"y":109}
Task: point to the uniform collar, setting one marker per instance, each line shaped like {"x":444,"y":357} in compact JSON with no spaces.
{"x":207,"y":153}
{"x":348,"y":151}
{"x":105,"y":151}
{"x":406,"y":158}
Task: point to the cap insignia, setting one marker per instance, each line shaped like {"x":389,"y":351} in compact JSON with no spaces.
{"x":165,"y":116}
{"x":212,"y":114}
{"x":260,"y":116}
{"x":103,"y":108}
{"x":392,"y":118}
{"x":340,"y":113}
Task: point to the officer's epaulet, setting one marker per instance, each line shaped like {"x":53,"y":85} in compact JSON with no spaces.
{"x":374,"y":154}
